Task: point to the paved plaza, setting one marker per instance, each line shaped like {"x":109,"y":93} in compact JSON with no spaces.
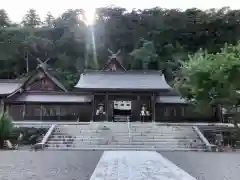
{"x":207,"y":165}
{"x":48,"y":165}
{"x":80,"y":165}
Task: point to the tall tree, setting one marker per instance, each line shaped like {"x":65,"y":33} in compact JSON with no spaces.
{"x":145,"y":55}
{"x":49,"y":19}
{"x":31,"y":19}
{"x":70,"y":43}
{"x":207,"y":79}
{"x":4,"y":19}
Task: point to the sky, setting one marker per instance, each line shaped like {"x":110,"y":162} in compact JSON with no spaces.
{"x":17,"y":8}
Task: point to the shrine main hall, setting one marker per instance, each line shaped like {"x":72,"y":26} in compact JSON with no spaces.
{"x":110,"y":94}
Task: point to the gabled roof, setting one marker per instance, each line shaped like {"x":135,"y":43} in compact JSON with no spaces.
{"x":50,"y":76}
{"x":55,"y":80}
{"x":113,"y":61}
{"x":125,"y":80}
{"x":11,"y":87}
{"x":8,"y":86}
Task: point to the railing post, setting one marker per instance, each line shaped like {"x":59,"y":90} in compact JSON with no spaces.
{"x":129,"y":130}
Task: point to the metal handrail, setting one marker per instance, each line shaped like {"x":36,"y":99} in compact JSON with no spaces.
{"x":208,"y":145}
{"x":46,"y":137}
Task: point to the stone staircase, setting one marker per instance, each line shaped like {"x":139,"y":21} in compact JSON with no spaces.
{"x":124,"y":136}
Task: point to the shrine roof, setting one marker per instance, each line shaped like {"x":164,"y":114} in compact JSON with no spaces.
{"x":52,"y":97}
{"x":54,"y":76}
{"x":125,"y":80}
{"x":8,"y":86}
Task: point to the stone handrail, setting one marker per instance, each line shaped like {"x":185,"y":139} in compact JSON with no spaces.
{"x":209,"y":146}
{"x":41,"y":145}
{"x":37,"y":122}
{"x":198,"y":124}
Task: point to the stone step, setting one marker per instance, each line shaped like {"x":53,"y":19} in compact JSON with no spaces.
{"x":119,"y":146}
{"x":140,"y":138}
{"x":126,"y":134}
{"x":75,"y":144}
{"x":160,"y":128}
{"x":153,"y":143}
{"x":89,"y":132}
{"x":157,"y":137}
{"x":77,"y":138}
{"x":119,"y":142}
{"x":125,"y":149}
{"x":119,"y":133}
{"x":124,"y":130}
{"x":119,"y":138}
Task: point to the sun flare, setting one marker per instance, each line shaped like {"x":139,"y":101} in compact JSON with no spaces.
{"x":89,"y":15}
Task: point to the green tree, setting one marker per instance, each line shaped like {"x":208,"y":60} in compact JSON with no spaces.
{"x":6,"y":127}
{"x":31,"y":19}
{"x":145,"y":55}
{"x":4,"y":19}
{"x":71,"y":45}
{"x":207,"y":79}
{"x":49,"y":20}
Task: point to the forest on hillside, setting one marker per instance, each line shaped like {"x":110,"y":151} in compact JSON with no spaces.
{"x":148,"y":39}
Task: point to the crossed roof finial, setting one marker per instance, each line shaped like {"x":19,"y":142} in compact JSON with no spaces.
{"x":43,"y":64}
{"x":114,"y":55}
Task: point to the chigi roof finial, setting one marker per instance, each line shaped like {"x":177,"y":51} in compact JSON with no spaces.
{"x":42,"y":64}
{"x":113,"y":55}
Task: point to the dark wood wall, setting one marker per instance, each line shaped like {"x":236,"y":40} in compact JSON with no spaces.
{"x":42,"y":83}
{"x":87,"y":111}
{"x":50,"y":112}
{"x":184,"y":113}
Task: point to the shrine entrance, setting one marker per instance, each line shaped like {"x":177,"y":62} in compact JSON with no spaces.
{"x":122,"y":111}
{"x":120,"y":107}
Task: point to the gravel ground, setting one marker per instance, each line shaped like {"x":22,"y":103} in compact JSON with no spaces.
{"x":207,"y":166}
{"x":48,"y":165}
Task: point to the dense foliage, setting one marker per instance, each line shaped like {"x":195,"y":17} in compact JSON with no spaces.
{"x":211,"y":79}
{"x":169,"y":34}
{"x":30,"y":135}
{"x":6,"y":127}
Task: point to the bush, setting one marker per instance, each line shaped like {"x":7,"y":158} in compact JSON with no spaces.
{"x":6,"y":127}
{"x":31,"y":135}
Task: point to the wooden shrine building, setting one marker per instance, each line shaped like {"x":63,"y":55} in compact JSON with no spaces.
{"x":111,"y":94}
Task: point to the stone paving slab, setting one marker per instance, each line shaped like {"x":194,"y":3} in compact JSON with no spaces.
{"x":48,"y":165}
{"x":137,"y":165}
{"x":207,"y":166}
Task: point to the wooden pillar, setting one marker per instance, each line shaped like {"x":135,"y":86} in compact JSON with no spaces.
{"x":106,"y":106}
{"x":41,"y":112}
{"x":6,"y":107}
{"x":138,"y":109}
{"x":24,"y":111}
{"x":59,"y":112}
{"x":1,"y":105}
{"x":93,"y":107}
{"x":153,"y":100}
